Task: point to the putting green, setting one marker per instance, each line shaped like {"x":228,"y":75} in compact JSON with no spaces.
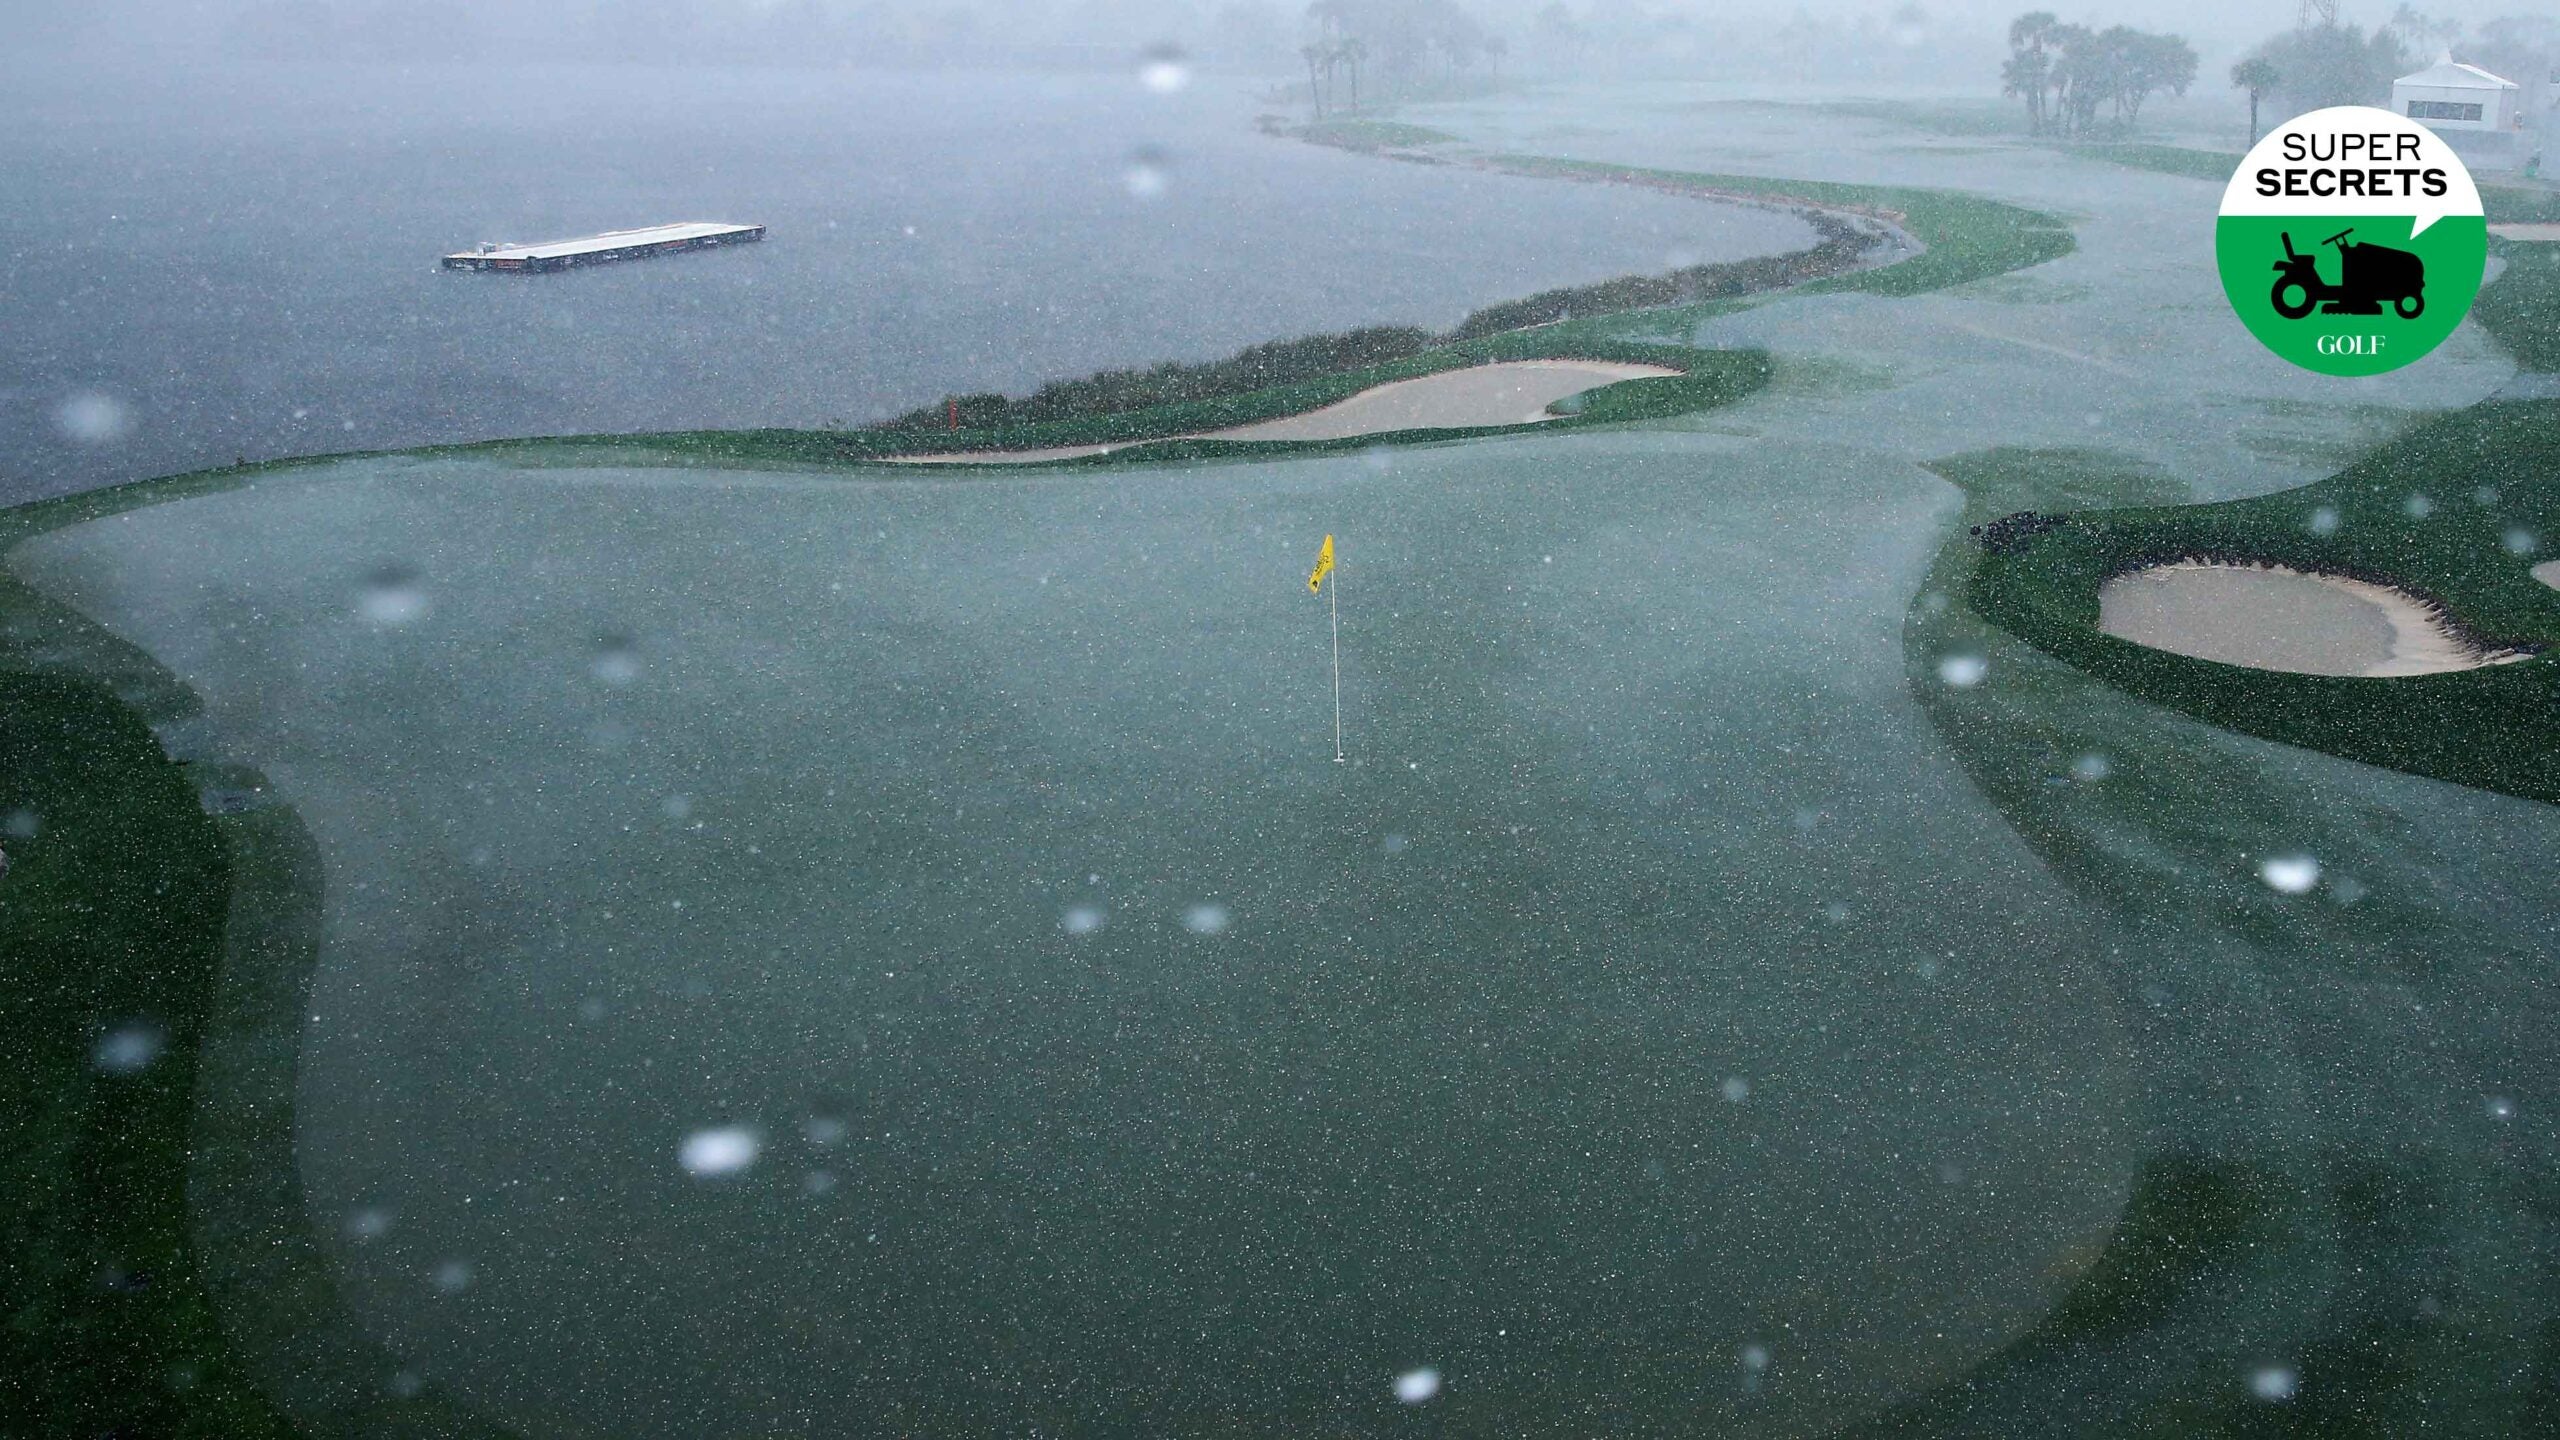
{"x":978,"y":848}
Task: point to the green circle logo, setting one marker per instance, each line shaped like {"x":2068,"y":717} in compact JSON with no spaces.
{"x":2351,"y":241}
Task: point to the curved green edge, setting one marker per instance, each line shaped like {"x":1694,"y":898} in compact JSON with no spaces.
{"x":133,"y":1316}
{"x":150,"y":1237}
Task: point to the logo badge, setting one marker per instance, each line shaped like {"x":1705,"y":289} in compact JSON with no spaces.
{"x":2351,"y":240}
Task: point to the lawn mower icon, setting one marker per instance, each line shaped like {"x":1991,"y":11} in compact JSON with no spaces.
{"x":2367,"y":276}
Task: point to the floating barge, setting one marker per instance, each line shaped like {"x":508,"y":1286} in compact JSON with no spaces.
{"x":604,"y":249}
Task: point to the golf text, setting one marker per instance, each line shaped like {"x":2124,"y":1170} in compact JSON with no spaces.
{"x":2374,"y":166}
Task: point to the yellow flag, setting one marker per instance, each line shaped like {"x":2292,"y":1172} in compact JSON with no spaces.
{"x":1324,"y":567}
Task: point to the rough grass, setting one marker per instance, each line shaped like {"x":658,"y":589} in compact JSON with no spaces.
{"x":2521,"y":308}
{"x":111,"y":921}
{"x":1371,"y":134}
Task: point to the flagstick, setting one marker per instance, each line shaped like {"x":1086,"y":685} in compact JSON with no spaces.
{"x":1336,"y":578}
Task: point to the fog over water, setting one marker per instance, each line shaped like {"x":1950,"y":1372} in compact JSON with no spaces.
{"x":243,"y":263}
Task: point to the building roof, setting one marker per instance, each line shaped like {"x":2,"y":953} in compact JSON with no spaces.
{"x":2448,"y":74}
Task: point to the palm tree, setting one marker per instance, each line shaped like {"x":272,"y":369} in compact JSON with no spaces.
{"x":2025,"y":74}
{"x":1352,"y":53}
{"x":2258,"y":76}
{"x":2030,"y":36}
{"x":1313,"y":54}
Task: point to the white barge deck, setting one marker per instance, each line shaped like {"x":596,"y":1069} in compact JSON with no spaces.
{"x":606,"y":248}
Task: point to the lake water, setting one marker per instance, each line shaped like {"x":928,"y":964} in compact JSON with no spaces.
{"x":242,"y":263}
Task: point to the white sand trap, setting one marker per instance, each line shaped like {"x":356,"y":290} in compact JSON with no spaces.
{"x":2548,"y":572}
{"x":1509,"y":392}
{"x":2272,"y":618}
{"x":2536,"y":230}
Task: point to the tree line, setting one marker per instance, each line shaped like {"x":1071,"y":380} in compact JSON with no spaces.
{"x":1402,"y":45}
{"x":2317,"y":66}
{"x":2067,"y":74}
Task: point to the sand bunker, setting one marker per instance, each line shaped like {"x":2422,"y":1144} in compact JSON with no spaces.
{"x":2535,"y":230}
{"x":2271,"y":618}
{"x":1511,"y":392}
{"x":2548,"y":572}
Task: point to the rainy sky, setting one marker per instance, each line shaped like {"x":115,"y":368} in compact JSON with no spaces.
{"x":1711,"y":37}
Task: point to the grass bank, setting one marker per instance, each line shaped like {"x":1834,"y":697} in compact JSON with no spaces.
{"x":1967,"y":237}
{"x":1710,"y":378}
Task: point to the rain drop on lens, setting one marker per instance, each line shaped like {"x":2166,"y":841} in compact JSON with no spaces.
{"x":1081,"y":919}
{"x":2290,"y":874}
{"x":127,"y":1049}
{"x":93,"y":419}
{"x":1415,"y":1387}
{"x":726,"y":1150}
{"x":1148,"y":175}
{"x":616,"y":661}
{"x":393,"y":596}
{"x":2273,"y":1383}
{"x":1963,"y":672}
{"x":2323,"y":521}
{"x":1164,"y":69}
{"x":1206,"y":919}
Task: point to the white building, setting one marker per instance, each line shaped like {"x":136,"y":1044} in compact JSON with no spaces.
{"x":2451,"y":96}
{"x":2480,"y":115}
